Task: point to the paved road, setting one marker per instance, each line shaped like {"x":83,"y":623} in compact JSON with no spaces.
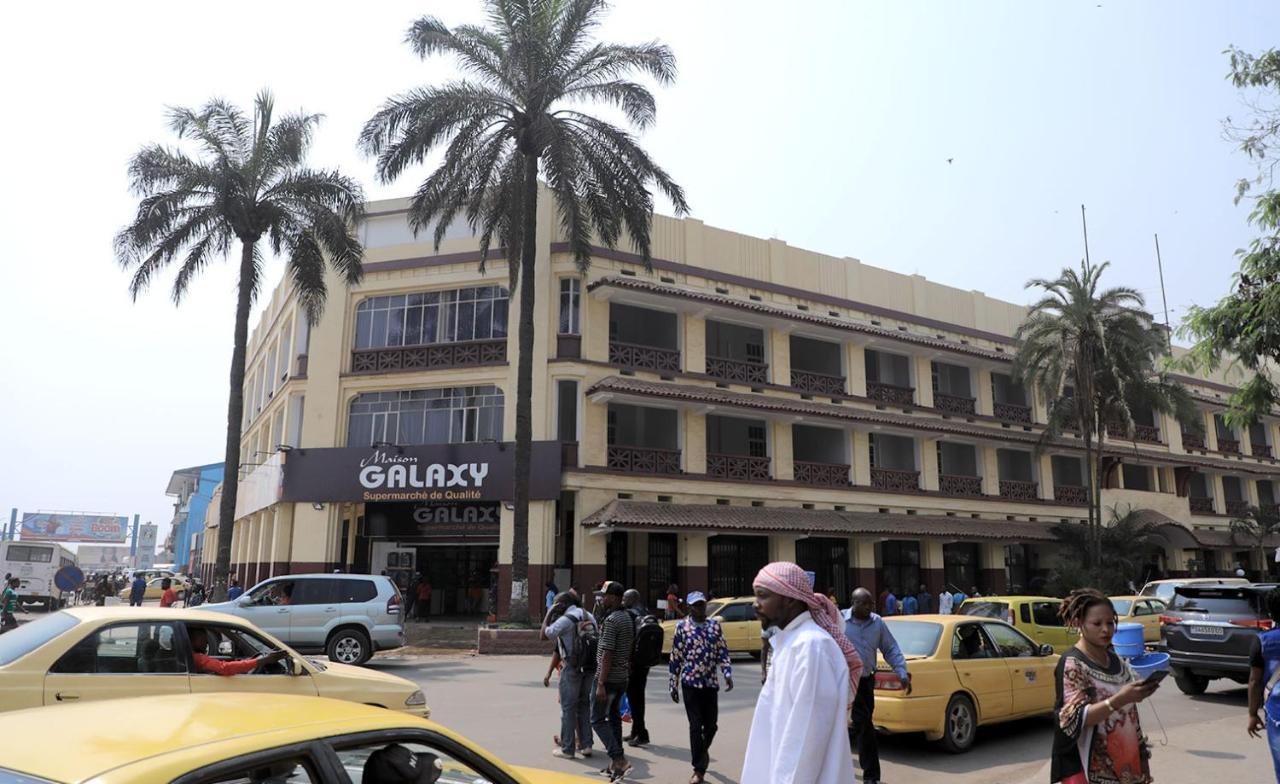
{"x":500,"y":702}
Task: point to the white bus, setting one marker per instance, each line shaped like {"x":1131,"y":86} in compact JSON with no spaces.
{"x":35,"y":564}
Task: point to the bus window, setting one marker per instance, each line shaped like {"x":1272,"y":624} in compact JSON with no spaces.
{"x":30,"y":553}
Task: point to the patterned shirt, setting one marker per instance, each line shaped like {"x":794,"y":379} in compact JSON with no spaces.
{"x":618,"y":636}
{"x":696,"y":649}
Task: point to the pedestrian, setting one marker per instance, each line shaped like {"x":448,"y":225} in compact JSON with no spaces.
{"x":673,"y":603}
{"x":9,"y":604}
{"x":550,"y":598}
{"x":957,"y":599}
{"x":1097,"y":736}
{"x":1264,"y":674}
{"x":235,"y":590}
{"x":613,"y":671}
{"x":909,"y":605}
{"x":890,"y":602}
{"x":169,"y":596}
{"x":975,"y":593}
{"x":423,"y":604}
{"x":924,"y":601}
{"x":575,"y":632}
{"x":411,"y":595}
{"x":647,"y":653}
{"x":945,"y":602}
{"x":103,"y":588}
{"x":697,"y":648}
{"x":884,"y":597}
{"x":799,"y":731}
{"x":869,"y":635}
{"x":137,"y":591}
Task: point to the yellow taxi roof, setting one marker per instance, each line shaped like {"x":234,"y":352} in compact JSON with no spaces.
{"x":945,"y":620}
{"x":1012,"y":599}
{"x":88,"y":613}
{"x":198,"y":728}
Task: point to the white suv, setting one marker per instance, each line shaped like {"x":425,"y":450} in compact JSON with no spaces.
{"x":345,"y":616}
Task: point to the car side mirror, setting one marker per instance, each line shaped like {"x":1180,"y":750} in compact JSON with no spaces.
{"x":294,"y":666}
{"x":1046,"y":650}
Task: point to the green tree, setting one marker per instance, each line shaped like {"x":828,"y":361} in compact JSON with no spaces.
{"x":1093,"y":354}
{"x":1244,"y":326}
{"x":1126,"y":540}
{"x":519,"y":114}
{"x":248,"y":182}
{"x":1258,"y":527}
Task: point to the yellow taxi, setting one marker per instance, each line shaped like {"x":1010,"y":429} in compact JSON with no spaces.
{"x":155,"y":588}
{"x":84,"y":654}
{"x":1034,"y":616}
{"x":1145,"y":610}
{"x":230,"y":738}
{"x":966,"y":671}
{"x":738,"y":623}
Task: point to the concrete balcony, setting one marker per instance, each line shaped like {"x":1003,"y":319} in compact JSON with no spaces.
{"x":817,"y":383}
{"x":643,"y":460}
{"x":740,"y":468}
{"x":895,"y":479}
{"x":1012,"y":412}
{"x":962,"y":486}
{"x":1016,"y":490}
{"x":822,"y":474}
{"x":953,"y":404}
{"x":737,"y":371}
{"x":630,"y":355}
{"x":891,"y":394}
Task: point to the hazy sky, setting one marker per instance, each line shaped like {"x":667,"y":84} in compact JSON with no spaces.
{"x":826,"y":124}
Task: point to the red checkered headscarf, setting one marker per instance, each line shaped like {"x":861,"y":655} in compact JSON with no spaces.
{"x":788,"y":579}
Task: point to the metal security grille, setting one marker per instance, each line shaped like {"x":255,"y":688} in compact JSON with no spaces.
{"x":615,"y":561}
{"x":828,"y":559}
{"x":733,"y":562}
{"x":662,"y":566}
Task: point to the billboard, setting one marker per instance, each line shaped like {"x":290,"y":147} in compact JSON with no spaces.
{"x":93,"y":557}
{"x":59,"y":527}
{"x":147,"y":538}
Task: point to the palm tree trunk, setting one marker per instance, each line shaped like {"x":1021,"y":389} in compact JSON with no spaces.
{"x":518,"y":611}
{"x":1091,"y":476}
{"x":1097,"y":502}
{"x":235,"y":414}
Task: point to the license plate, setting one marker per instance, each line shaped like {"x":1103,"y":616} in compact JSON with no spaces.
{"x":1207,"y":631}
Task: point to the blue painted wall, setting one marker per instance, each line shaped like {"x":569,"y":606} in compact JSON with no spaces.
{"x":190,"y":529}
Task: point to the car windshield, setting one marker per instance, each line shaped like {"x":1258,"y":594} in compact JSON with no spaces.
{"x":713,"y":608}
{"x":16,"y":643}
{"x":985,"y":609}
{"x":915,"y":638}
{"x":1122,"y":606}
{"x":1221,"y":605}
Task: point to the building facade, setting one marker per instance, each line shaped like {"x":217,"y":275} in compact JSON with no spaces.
{"x":740,"y":401}
{"x":192,"y":489}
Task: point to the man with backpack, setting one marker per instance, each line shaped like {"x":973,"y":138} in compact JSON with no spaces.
{"x":577,"y":639}
{"x":648,"y":653}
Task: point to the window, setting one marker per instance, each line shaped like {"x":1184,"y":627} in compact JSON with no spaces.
{"x":275,"y":592}
{"x":570,"y":303}
{"x":1005,"y":390}
{"x":1046,"y":613}
{"x":1144,"y":608}
{"x":447,"y":415}
{"x":30,"y":553}
{"x":567,"y":410}
{"x":229,"y":643}
{"x":900,"y":572}
{"x":733,"y":612}
{"x":1137,"y":477}
{"x":1009,"y":642}
{"x":957,"y":459}
{"x":294,"y":769}
{"x":356,"y":591}
{"x":322,"y":591}
{"x":478,"y":313}
{"x":18,"y":642}
{"x":124,"y":649}
{"x":971,"y":642}
{"x":458,"y":763}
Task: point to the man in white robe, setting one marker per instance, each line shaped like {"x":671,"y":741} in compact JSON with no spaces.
{"x":799,"y":734}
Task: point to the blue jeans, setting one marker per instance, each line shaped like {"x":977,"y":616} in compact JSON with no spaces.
{"x":1273,"y":740}
{"x":575,"y":708}
{"x":606,"y":718}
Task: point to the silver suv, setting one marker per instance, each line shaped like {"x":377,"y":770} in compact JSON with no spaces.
{"x":345,"y":616}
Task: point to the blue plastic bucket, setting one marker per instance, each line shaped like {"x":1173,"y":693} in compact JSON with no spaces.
{"x":1128,"y":639}
{"x":1148,"y":663}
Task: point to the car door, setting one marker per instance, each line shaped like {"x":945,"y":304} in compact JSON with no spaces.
{"x":752,"y":629}
{"x":233,"y":643}
{"x":733,"y":623}
{"x":268,"y":606}
{"x":1030,"y":674}
{"x":1147,"y":612}
{"x":457,"y":761}
{"x":1047,"y":628}
{"x":128,"y":659}
{"x":980,"y":671}
{"x":313,"y":610}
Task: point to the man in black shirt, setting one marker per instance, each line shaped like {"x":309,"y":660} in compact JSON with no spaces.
{"x":632,"y":603}
{"x":613,"y":670}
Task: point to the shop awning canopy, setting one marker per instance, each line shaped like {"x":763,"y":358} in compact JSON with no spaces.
{"x":658,"y":516}
{"x":1180,"y":536}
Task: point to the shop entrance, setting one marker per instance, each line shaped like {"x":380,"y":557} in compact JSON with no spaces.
{"x":459,"y":577}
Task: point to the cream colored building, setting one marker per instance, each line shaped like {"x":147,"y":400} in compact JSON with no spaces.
{"x":742,"y":401}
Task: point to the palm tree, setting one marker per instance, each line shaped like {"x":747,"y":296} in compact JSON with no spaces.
{"x":532,"y":68}
{"x":1125,"y":542}
{"x":1093,"y":354}
{"x":1257,"y":526}
{"x":249,"y":182}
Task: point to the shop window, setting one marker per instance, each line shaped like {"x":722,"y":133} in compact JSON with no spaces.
{"x":960,"y":565}
{"x":447,"y":415}
{"x":570,"y":306}
{"x":733,"y":562}
{"x":828,"y":559}
{"x":477,"y":313}
{"x":900,"y":566}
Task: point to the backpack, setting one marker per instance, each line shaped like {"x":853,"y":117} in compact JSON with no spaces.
{"x":585,"y":645}
{"x":648,"y":649}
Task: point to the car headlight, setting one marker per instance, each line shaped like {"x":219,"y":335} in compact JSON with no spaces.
{"x":416,"y":699}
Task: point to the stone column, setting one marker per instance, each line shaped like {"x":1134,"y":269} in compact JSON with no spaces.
{"x":990,"y":470}
{"x":695,"y":442}
{"x":856,"y":362}
{"x":695,"y":344}
{"x":986,"y":398}
{"x":691,"y":562}
{"x":928,"y":464}
{"x":932,"y":567}
{"x":992,"y":576}
{"x":593,"y":447}
{"x":861,"y":458}
{"x":784,"y":467}
{"x":865,"y":574}
{"x":1046,"y":476}
{"x":1219,"y":496}
{"x":779,"y":341}
{"x":923,"y":381}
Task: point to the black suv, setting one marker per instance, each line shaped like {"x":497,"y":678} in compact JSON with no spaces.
{"x":1209,"y":632}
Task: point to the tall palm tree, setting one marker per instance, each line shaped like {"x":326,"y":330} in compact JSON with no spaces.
{"x":1093,"y":356}
{"x":1258,"y":527}
{"x":249,"y":182}
{"x":518,"y":116}
{"x":1126,"y":541}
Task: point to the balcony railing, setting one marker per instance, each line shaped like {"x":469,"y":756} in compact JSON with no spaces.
{"x":1012,"y":412}
{"x":738,"y":371}
{"x":949,"y":484}
{"x":825,"y":474}
{"x":1229,"y":446}
{"x":817,"y":383}
{"x":648,"y":357}
{"x":743,"y":468}
{"x":1192,"y":440}
{"x":403,"y":359}
{"x":889,"y":393}
{"x":1073,"y":495}
{"x":1237,"y":508}
{"x":1145,"y":433}
{"x":895,"y":479}
{"x":1018,"y":490}
{"x":1260,"y":450}
{"x":1201,"y":505}
{"x":954,"y":404}
{"x":643,"y":460}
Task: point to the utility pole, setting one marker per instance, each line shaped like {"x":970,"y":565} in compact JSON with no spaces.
{"x":1165,"y":300}
{"x":1084,"y":224}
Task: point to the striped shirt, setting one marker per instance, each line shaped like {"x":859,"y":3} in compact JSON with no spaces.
{"x":618,"y":636}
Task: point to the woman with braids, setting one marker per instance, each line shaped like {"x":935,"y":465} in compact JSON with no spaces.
{"x":1098,"y":739}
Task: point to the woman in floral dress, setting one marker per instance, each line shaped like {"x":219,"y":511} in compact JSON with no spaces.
{"x":1098,"y":739}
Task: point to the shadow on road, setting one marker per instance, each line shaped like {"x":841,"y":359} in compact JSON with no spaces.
{"x":1011,"y":743}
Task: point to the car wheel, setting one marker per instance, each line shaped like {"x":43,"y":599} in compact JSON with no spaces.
{"x":961,"y":725}
{"x":1191,"y":684}
{"x":349,"y":646}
